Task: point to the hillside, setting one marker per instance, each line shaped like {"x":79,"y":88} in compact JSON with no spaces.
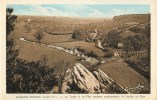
{"x":132,"y":18}
{"x":49,"y":42}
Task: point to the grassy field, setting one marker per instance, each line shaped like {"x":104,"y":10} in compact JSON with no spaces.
{"x":59,"y":24}
{"x":123,"y":74}
{"x":89,"y":46}
{"x":34,"y":52}
{"x":47,"y":38}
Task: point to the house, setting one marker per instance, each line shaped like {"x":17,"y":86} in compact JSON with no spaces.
{"x":120,"y":45}
{"x":28,"y":20}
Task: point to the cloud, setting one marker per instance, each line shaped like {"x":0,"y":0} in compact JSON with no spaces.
{"x":131,"y":10}
{"x":78,"y":10}
{"x":77,"y":7}
{"x":56,"y":12}
{"x":96,"y":13}
{"x":40,"y":11}
{"x":124,"y":11}
{"x":30,"y":10}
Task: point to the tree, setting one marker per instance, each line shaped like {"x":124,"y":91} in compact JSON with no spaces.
{"x":39,"y":35}
{"x":19,"y":73}
{"x":23,"y":76}
{"x":136,"y":43}
{"x":10,"y":19}
{"x":113,"y":38}
{"x":11,"y":52}
{"x":128,"y":46}
{"x":141,"y":42}
{"x":76,"y":34}
{"x":79,"y":34}
{"x":60,"y":69}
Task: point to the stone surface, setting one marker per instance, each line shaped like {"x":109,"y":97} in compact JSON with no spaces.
{"x":85,"y":79}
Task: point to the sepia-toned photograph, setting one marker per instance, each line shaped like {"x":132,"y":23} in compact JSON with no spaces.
{"x":78,"y":48}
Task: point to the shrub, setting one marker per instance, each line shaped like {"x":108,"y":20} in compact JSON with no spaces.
{"x":30,"y":77}
{"x":60,"y":69}
{"x":39,"y":35}
{"x":141,"y":65}
{"x":91,"y":54}
{"x":109,"y":54}
{"x":88,"y":53}
{"x":79,"y":34}
{"x":112,"y":38}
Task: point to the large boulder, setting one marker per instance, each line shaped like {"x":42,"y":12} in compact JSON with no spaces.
{"x":99,"y":45}
{"x":104,"y":79}
{"x":84,"y":79}
{"x":80,"y":80}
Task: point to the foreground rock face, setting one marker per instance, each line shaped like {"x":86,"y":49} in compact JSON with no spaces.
{"x":80,"y":80}
{"x":108,"y":85}
{"x":94,"y":82}
{"x":84,"y":79}
{"x":102,"y":77}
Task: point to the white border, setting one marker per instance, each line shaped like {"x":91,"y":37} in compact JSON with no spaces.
{"x":153,"y":8}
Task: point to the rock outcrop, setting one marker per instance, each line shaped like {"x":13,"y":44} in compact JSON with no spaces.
{"x":80,"y":80}
{"x":102,"y":77}
{"x":84,"y":79}
{"x":108,"y":84}
{"x":94,"y":82}
{"x":99,"y":45}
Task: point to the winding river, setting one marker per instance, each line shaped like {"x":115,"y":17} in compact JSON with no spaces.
{"x":72,"y":51}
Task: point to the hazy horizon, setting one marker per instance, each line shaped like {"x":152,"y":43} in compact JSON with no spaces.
{"x":81,"y":11}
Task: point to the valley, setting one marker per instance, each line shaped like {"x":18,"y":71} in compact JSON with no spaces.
{"x":106,"y":52}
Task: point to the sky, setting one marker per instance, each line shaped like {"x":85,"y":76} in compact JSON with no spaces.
{"x":82,"y":10}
